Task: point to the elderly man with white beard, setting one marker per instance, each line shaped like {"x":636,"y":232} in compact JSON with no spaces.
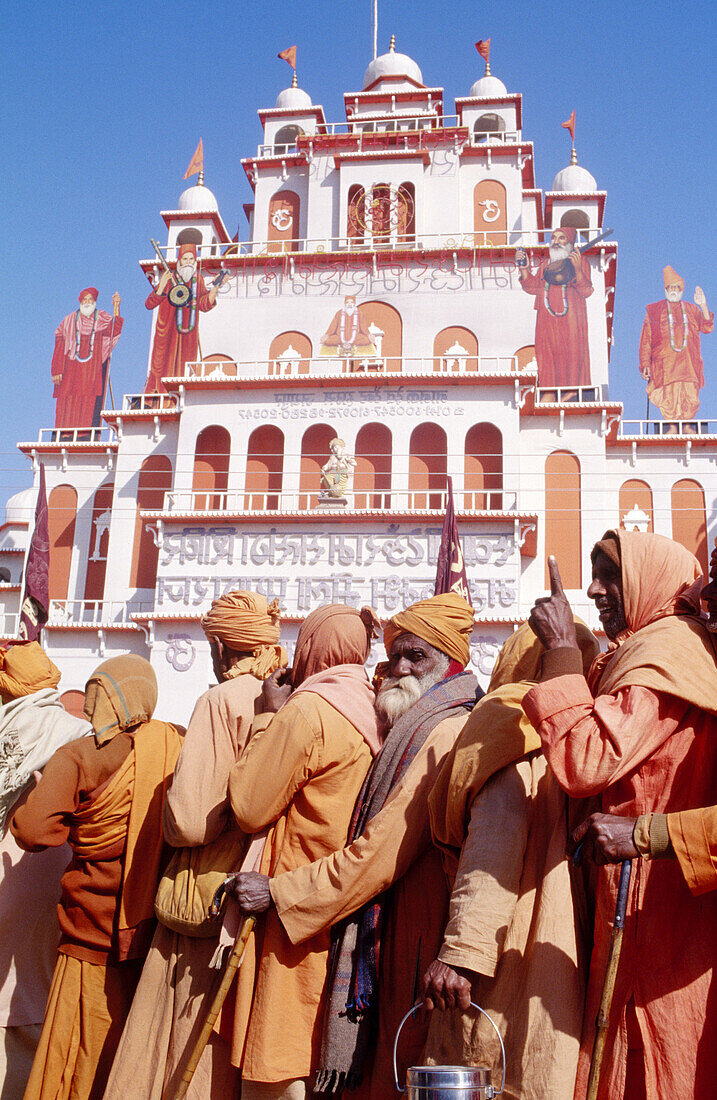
{"x":84,"y":341}
{"x":561,"y":327}
{"x":386,"y":888}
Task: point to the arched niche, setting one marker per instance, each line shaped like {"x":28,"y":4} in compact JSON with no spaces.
{"x":636,"y":511}
{"x":386,"y":327}
{"x":483,"y":483}
{"x":488,"y":123}
{"x":525,"y":357}
{"x":155,"y":479}
{"x":315,"y":452}
{"x":264,"y":468}
{"x":427,"y":466}
{"x":225,"y":363}
{"x":490,"y":212}
{"x":283,"y":227}
{"x":455,"y":349}
{"x":287,"y":136}
{"x":406,"y":212}
{"x":62,"y":514}
{"x":372,"y":476}
{"x":99,"y":542}
{"x":563,"y":517}
{"x":190,"y":236}
{"x":210,"y":477}
{"x":689,"y":519}
{"x":290,"y":353}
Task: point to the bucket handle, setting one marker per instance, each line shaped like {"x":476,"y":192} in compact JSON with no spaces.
{"x":472,"y":1005}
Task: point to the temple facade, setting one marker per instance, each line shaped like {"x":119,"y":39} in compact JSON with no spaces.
{"x":372,"y":338}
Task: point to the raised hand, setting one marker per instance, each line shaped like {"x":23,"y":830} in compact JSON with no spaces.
{"x":701,"y":301}
{"x":551,"y":619}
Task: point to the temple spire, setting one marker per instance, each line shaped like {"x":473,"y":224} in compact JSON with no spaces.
{"x":392,"y":46}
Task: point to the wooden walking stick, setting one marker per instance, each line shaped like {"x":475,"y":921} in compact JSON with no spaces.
{"x":613,"y":960}
{"x":216,"y":1006}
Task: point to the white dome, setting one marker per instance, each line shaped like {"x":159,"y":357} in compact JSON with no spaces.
{"x":293,"y":99}
{"x":198,"y":198}
{"x":489,"y":86}
{"x":20,"y":508}
{"x":574,"y":178}
{"x":392,"y":64}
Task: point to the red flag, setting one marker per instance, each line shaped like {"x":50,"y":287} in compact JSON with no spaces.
{"x":33,"y":612}
{"x":451,"y":570}
{"x":289,"y":55}
{"x":569,"y":124}
{"x":196,"y":164}
{"x":483,"y":47}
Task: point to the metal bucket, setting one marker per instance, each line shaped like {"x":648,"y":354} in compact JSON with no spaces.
{"x":448,"y":1082}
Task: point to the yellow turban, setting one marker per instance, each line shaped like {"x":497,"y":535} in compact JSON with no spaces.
{"x":670,"y":276}
{"x":24,"y":669}
{"x":445,"y":622}
{"x":246,"y":623}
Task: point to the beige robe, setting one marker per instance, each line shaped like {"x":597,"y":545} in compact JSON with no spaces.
{"x":512,"y":922}
{"x":175,"y":989}
{"x":394,"y":848}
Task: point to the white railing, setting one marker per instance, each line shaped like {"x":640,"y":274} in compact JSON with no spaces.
{"x":697,"y":426}
{"x":439,"y":367}
{"x":9,"y":625}
{"x":567,"y":394}
{"x":394,"y":500}
{"x":474,"y":240}
{"x":149,"y":402}
{"x":68,"y":436}
{"x":97,"y":613}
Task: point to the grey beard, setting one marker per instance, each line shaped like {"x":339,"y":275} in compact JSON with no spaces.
{"x":399,"y":693}
{"x":187,"y":272}
{"x":559,"y":252}
{"x":87,"y":311}
{"x":674,"y":295}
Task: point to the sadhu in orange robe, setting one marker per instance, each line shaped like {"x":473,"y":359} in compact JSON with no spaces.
{"x":643,"y":736}
{"x":670,"y":356}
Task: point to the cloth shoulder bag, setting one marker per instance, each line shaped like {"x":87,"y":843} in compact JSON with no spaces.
{"x":192,"y":877}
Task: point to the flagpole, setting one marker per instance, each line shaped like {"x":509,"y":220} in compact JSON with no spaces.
{"x":375,"y":29}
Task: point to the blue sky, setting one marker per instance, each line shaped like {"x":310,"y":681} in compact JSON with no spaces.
{"x":103,"y":105}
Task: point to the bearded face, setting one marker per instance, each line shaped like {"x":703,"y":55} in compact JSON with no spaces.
{"x":349,"y":307}
{"x":187,"y":266}
{"x":397,"y":694}
{"x":560,"y":248}
{"x":87,"y":306}
{"x":674,"y":292}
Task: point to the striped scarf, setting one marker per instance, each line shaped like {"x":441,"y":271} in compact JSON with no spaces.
{"x":354,"y":961}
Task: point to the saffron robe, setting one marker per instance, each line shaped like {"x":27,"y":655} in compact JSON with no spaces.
{"x":300,"y":775}
{"x":561,"y":343}
{"x":694,"y":838}
{"x":81,"y":389}
{"x":347,"y":332}
{"x":643,"y":750}
{"x":395,"y":850}
{"x":174,"y":992}
{"x":675,"y":377}
{"x":171,"y":349}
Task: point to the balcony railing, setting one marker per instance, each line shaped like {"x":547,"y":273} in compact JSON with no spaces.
{"x":472,"y":240}
{"x":149,"y":402}
{"x":293,"y":365}
{"x":182,"y":501}
{"x":666,"y":428}
{"x":567,"y":395}
{"x":67,"y":436}
{"x":94,"y":613}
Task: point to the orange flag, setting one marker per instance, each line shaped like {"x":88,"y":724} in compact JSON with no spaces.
{"x":483,"y":48}
{"x":569,"y":124}
{"x":289,"y":55}
{"x":196,"y":164}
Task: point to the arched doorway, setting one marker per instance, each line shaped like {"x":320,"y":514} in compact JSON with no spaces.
{"x":315,"y":452}
{"x":455,"y":349}
{"x":62,"y":513}
{"x":636,"y":512}
{"x":290,"y":353}
{"x":563,"y":518}
{"x":427,"y":467}
{"x":484,"y":467}
{"x":155,"y":479}
{"x":490,"y":212}
{"x":210,"y":478}
{"x":283,"y":228}
{"x":689,"y":520}
{"x":99,"y":541}
{"x":264,"y":466}
{"x":386,"y":328}
{"x":372,"y":476}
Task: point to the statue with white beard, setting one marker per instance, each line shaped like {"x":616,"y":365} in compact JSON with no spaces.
{"x":84,"y":340}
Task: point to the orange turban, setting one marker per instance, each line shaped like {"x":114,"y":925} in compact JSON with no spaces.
{"x":246,"y":623}
{"x":445,"y":622}
{"x":670,"y":276}
{"x":24,"y":669}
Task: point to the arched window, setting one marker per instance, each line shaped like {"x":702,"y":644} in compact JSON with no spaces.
{"x":379,"y":214}
{"x":287,"y":136}
{"x":689,"y":521}
{"x":264,"y":466}
{"x":455,"y":349}
{"x":406,"y":212}
{"x":372,"y":476}
{"x":315,"y":453}
{"x":356,"y":215}
{"x":489,"y":123}
{"x":190,"y":236}
{"x":386,"y":329}
{"x":211,"y":468}
{"x":636,"y":512}
{"x":563,"y":528}
{"x":490,"y":212}
{"x":525,"y":357}
{"x":99,"y":540}
{"x":220,"y":362}
{"x":484,"y":467}
{"x":427,"y":467}
{"x":62,"y":513}
{"x":578,"y":219}
{"x":283,"y":230}
{"x":155,"y":479}
{"x":289,"y":354}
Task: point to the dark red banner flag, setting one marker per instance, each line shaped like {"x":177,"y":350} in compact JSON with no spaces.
{"x":451,"y":570}
{"x":483,"y":47}
{"x":36,"y":600}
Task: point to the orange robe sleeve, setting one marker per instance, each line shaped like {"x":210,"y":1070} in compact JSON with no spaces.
{"x":694,"y":838}
{"x":43,"y":821}
{"x":646,"y":348}
{"x":591,"y":743}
